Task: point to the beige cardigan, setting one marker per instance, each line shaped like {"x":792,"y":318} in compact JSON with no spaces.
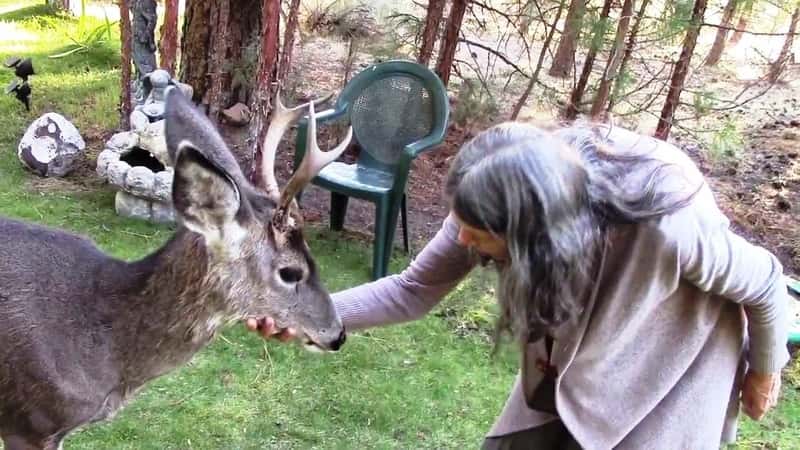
{"x":656,"y":360}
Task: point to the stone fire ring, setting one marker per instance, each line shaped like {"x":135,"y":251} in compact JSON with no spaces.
{"x":144,"y":185}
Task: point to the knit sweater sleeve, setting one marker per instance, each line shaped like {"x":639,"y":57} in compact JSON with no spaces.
{"x":407,"y":296}
{"x":717,"y":260}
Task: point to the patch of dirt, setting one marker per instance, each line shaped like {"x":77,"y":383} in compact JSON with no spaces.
{"x":760,"y":193}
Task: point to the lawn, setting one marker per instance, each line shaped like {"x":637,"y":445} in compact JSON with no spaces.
{"x":430,"y":384}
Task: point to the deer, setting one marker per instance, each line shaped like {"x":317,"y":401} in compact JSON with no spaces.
{"x":82,"y":332}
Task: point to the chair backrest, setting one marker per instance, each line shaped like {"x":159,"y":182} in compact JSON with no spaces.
{"x":393,"y":104}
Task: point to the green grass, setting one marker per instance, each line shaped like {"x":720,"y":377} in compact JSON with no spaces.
{"x":429,"y":384}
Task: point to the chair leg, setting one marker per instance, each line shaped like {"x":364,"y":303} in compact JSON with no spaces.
{"x":391,"y":226}
{"x":404,"y":217}
{"x":379,"y":251}
{"x":338,"y":210}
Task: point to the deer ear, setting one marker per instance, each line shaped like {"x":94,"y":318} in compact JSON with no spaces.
{"x":206,"y":197}
{"x":183,"y":121}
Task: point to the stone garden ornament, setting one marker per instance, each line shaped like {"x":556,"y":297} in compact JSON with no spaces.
{"x":51,"y":146}
{"x":136,"y":162}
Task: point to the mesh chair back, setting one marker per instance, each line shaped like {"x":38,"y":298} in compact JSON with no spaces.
{"x":391,"y":113}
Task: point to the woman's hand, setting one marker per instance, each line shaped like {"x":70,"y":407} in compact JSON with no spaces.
{"x":760,"y":393}
{"x":265,"y":326}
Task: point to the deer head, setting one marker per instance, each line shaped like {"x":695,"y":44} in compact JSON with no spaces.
{"x":253,"y":237}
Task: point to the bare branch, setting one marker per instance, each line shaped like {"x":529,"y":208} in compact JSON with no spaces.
{"x":496,"y":53}
{"x":754,"y":33}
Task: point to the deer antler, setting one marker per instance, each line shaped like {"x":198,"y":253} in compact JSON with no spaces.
{"x":282,"y":118}
{"x":313,"y":161}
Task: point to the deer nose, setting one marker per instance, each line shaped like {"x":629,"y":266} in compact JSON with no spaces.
{"x":339,"y":341}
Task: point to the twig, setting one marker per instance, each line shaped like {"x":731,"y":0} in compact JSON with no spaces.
{"x":132,"y":233}
{"x":754,"y":33}
{"x":496,"y":53}
{"x":187,"y":397}
{"x":226,"y":340}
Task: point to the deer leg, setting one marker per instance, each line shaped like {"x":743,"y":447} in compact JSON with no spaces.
{"x":55,"y":442}
{"x":16,"y":442}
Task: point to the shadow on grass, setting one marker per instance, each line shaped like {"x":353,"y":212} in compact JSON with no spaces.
{"x":100,"y":57}
{"x":28,"y":12}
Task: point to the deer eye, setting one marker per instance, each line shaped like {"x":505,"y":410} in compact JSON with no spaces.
{"x":290,"y":275}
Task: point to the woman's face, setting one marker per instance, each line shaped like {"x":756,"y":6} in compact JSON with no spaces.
{"x":487,"y":244}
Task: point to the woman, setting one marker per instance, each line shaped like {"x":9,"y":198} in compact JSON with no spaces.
{"x":620,"y":279}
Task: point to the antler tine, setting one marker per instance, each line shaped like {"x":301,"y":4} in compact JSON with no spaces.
{"x":313,"y":161}
{"x":282,"y":118}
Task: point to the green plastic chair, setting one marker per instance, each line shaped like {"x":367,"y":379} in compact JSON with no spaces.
{"x":794,"y":328}
{"x":398,"y":109}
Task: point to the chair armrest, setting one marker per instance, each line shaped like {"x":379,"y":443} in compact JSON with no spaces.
{"x":324,"y":116}
{"x":415,"y":148}
{"x":410,"y":152}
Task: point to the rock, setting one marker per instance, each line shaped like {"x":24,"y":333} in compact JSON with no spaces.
{"x":162,"y":186}
{"x":129,"y":206}
{"x":117,"y":170}
{"x":238,"y":114}
{"x":790,"y":135}
{"x":783,"y":203}
{"x":139,"y":181}
{"x":794,"y":122}
{"x":163,"y":213}
{"x":105,"y":158}
{"x":120,"y":142}
{"x":50,"y":146}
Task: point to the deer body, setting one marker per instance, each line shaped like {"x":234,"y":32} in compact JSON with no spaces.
{"x":81,"y":332}
{"x":127,"y":324}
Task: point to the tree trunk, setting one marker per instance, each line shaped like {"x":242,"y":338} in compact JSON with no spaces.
{"x":59,"y":4}
{"x":564,"y":58}
{"x":573,"y":107}
{"x":614,"y":60}
{"x":722,"y":33}
{"x":447,"y":50}
{"x":144,"y":38}
{"x":125,"y":107}
{"x":535,"y":77}
{"x":744,"y":20}
{"x":267,"y":61}
{"x":680,"y":71}
{"x":432,"y":20}
{"x":627,"y":56}
{"x":219,"y":57}
{"x":777,"y":66}
{"x":288,"y":40}
{"x":232,"y":44}
{"x":168,"y":45}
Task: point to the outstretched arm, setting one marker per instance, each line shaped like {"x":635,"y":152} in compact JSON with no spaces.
{"x":407,"y":296}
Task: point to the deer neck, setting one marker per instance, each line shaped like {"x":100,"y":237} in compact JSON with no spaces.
{"x":172,"y":310}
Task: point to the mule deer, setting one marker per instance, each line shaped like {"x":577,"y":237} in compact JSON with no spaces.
{"x":81,"y":332}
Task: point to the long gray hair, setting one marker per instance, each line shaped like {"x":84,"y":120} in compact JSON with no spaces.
{"x":553,"y":197}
